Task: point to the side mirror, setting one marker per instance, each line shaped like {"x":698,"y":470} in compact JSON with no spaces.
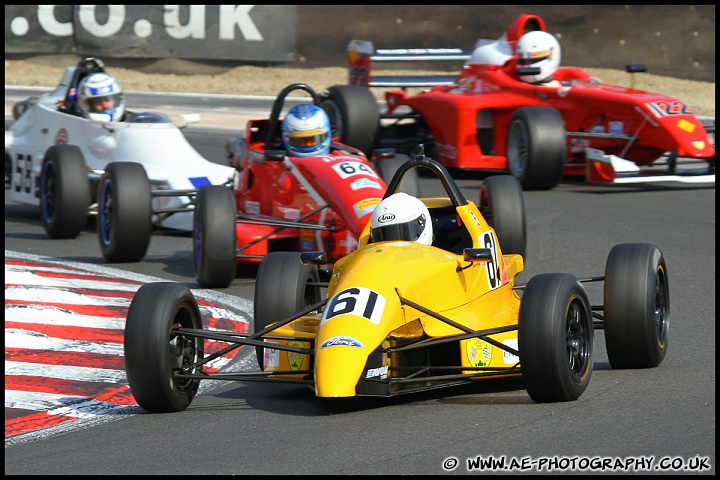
{"x":275,"y":155}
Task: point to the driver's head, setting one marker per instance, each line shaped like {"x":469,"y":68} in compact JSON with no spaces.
{"x":306,"y":131}
{"x":401,"y":217}
{"x":538,"y":49}
{"x":101,"y":98}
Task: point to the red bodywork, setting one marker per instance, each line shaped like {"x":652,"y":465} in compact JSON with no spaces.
{"x":468,"y":117}
{"x":287,"y":203}
{"x":656,"y":122}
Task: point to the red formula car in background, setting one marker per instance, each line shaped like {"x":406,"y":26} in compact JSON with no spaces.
{"x":284,"y":203}
{"x":486,"y":118}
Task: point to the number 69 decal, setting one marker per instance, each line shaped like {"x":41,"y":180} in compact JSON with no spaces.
{"x":487,"y":239}
{"x":358,"y":301}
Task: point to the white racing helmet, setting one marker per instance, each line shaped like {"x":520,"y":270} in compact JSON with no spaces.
{"x":401,"y":217}
{"x":306,"y":131}
{"x":101,"y":98}
{"x":538,"y":49}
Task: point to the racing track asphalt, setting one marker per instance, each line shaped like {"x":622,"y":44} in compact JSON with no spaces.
{"x":668,"y":411}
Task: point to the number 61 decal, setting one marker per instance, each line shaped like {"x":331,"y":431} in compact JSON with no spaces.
{"x":358,"y":301}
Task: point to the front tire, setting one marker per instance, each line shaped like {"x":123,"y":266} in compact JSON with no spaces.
{"x":555,"y":338}
{"x":282,"y":289}
{"x":124,"y":212}
{"x":64,"y":191}
{"x":154,"y":353}
{"x":637,"y":306}
{"x":503,"y":206}
{"x":536,"y":146}
{"x":214,"y":237}
{"x":354,"y":115}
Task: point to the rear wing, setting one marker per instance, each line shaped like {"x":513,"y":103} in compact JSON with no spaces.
{"x":362,"y":54}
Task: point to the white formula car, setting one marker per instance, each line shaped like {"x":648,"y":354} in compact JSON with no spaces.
{"x":135,"y":175}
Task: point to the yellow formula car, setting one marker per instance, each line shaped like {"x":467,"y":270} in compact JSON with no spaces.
{"x":400,"y":316}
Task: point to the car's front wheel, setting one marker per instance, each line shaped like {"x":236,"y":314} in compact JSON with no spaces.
{"x":124,"y":212}
{"x":214,"y":236}
{"x":155,"y":353}
{"x":555,"y":338}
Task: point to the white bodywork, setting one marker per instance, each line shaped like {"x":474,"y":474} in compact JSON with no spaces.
{"x":491,"y":52}
{"x":170,"y":161}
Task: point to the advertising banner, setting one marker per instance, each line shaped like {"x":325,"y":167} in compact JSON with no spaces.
{"x":252,"y":33}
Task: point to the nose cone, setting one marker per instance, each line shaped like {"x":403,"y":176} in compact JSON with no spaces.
{"x":339,"y":362}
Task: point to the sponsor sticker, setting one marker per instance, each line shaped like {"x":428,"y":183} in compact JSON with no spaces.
{"x":271,"y":357}
{"x":295,"y":359}
{"x":479,"y":352}
{"x":365,"y":206}
{"x":341,"y":342}
{"x":380,"y":372}
{"x":61,"y":137}
{"x":252,"y":207}
{"x":616,"y":128}
{"x":509,"y":358}
{"x":364,"y":183}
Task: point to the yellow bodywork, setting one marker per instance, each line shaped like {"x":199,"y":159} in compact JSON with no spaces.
{"x":364,"y":309}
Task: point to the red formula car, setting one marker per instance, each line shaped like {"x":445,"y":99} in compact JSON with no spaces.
{"x":486,"y":118}
{"x":287,"y":203}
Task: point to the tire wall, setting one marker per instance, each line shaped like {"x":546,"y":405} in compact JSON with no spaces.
{"x":672,"y":40}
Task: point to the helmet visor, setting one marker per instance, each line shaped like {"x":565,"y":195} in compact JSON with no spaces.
{"x":410,"y":231}
{"x":533,"y":57}
{"x":309,"y":139}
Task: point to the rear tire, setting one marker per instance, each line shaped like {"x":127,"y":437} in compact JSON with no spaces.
{"x":386,"y":168}
{"x":64,"y":191}
{"x":124,"y":221}
{"x":153,"y":353}
{"x":536,"y":146}
{"x":282,"y":290}
{"x":555,"y":338}
{"x":503,"y":206}
{"x":637,"y":306}
{"x":354,"y":115}
{"x":214,"y":237}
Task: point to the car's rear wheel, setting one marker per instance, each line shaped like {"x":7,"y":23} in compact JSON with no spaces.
{"x":282,"y":289}
{"x":124,"y":212}
{"x":536,"y":146}
{"x":214,"y":237}
{"x":387,"y":167}
{"x":64,"y":191}
{"x":155,"y":352}
{"x":555,"y":338}
{"x":354,"y":115}
{"x":502,"y":204}
{"x":637,"y":306}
